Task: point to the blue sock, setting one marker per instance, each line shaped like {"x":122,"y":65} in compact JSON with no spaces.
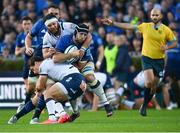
{"x":40,"y":106}
{"x":28,"y":97}
{"x":28,"y":107}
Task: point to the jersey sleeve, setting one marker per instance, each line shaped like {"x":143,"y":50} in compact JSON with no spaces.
{"x":140,"y":27}
{"x":43,"y":70}
{"x":18,"y":41}
{"x":170,"y":35}
{"x":46,"y":43}
{"x":63,"y":43}
{"x":35,"y":29}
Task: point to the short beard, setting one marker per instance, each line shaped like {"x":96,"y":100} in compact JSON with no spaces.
{"x":156,"y":21}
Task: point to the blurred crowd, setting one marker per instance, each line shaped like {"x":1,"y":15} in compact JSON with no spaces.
{"x":126,"y":42}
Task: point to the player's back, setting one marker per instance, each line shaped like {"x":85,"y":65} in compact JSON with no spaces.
{"x":56,"y":71}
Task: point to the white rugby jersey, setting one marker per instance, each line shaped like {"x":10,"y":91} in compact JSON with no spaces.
{"x":56,"y":71}
{"x":50,"y":40}
{"x":101,"y":77}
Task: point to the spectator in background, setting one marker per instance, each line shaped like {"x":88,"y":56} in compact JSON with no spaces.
{"x":137,"y":45}
{"x":123,"y":61}
{"x":8,"y":43}
{"x":110,"y":53}
{"x":96,"y":47}
{"x":26,"y":23}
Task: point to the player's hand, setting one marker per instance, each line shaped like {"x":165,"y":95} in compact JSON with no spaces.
{"x":81,"y":54}
{"x":164,"y":47}
{"x":98,"y":64}
{"x":52,"y":51}
{"x":29,"y":51}
{"x":107,"y":21}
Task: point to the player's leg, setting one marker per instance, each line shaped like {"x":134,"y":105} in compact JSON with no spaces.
{"x":73,"y":86}
{"x":28,"y":107}
{"x":96,"y":87}
{"x":41,"y":104}
{"x":149,"y":81}
{"x":52,"y":95}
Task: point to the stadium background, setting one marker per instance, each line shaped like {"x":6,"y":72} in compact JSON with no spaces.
{"x":78,"y":11}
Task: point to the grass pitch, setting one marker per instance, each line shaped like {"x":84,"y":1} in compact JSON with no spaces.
{"x":121,"y":121}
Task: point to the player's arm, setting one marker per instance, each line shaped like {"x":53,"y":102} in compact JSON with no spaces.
{"x":87,"y":42}
{"x":19,"y":50}
{"x":85,"y":45}
{"x":100,"y":56}
{"x":171,"y":38}
{"x":28,"y":44}
{"x":41,"y":83}
{"x":48,"y":52}
{"x":59,"y":57}
{"x":125,"y":26}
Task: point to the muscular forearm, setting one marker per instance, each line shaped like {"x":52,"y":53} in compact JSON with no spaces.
{"x":60,"y":57}
{"x":125,"y":26}
{"x":173,"y":45}
{"x":28,"y":41}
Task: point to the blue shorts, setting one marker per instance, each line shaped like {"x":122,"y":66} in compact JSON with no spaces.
{"x":157,"y":65}
{"x":72,"y":84}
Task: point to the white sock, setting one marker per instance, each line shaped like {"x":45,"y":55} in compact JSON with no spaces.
{"x":59,"y":108}
{"x":51,"y":109}
{"x":120,"y":91}
{"x":100,"y":93}
{"x":128,"y":103}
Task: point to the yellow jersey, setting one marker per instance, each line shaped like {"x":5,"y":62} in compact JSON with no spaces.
{"x":154,"y":38}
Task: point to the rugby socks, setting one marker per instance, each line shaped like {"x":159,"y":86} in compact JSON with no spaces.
{"x":74,"y":106}
{"x":128,"y":103}
{"x":147,"y":96}
{"x":40,"y":106}
{"x":59,"y":108}
{"x":28,"y":107}
{"x":28,"y":97}
{"x":97,"y":88}
{"x":50,"y":104}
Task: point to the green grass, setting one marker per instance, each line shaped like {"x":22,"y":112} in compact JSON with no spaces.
{"x":121,"y":121}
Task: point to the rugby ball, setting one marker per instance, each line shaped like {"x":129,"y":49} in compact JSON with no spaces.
{"x":70,"y":49}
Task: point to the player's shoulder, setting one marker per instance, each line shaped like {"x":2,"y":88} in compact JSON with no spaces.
{"x":166,"y":27}
{"x":47,"y":62}
{"x":67,"y":37}
{"x":145,"y":24}
{"x":20,"y":35}
{"x":39,"y":23}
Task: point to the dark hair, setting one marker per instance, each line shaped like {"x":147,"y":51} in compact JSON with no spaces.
{"x":26,"y":18}
{"x":81,"y":28}
{"x":47,"y":17}
{"x":34,"y":59}
{"x":53,"y":6}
